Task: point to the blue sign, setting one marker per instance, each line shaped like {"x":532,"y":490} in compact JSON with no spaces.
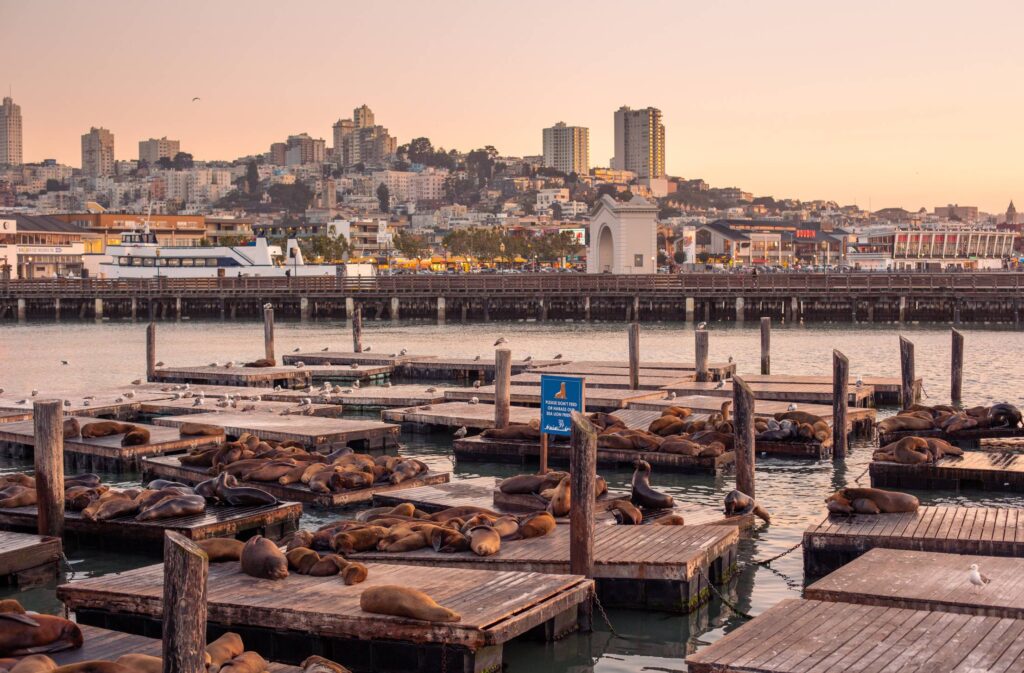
{"x":559,"y":397}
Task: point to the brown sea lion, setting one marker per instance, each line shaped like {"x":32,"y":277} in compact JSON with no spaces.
{"x":327,"y":565}
{"x":389,"y":599}
{"x":670,"y":520}
{"x":888,"y":502}
{"x":642,"y":495}
{"x":353,"y":572}
{"x":561,"y":499}
{"x":317,"y":664}
{"x":300,"y":538}
{"x":201,"y":457}
{"x":537,"y":524}
{"x":263,"y":559}
{"x":88,"y":479}
{"x":738,"y":503}
{"x":172,"y":506}
{"x":446,"y":540}
{"x":223,"y":650}
{"x":403,"y":509}
{"x":506,"y":526}
{"x":34,"y":663}
{"x":681,"y":446}
{"x":72,"y":428}
{"x":407,"y":469}
{"x":904,"y":422}
{"x":666,"y":425}
{"x":301,"y":559}
{"x":626,"y":513}
{"x":141,"y":663}
{"x":261,"y":362}
{"x":93,"y":666}
{"x":229,"y":492}
{"x":149,"y":497}
{"x":105,"y":429}
{"x":271,"y":470}
{"x":360,"y":539}
{"x":135,"y":437}
{"x":221,"y":549}
{"x":17,"y":478}
{"x":460,"y":512}
{"x":190,"y":429}
{"x":48,"y":634}
{"x":521,"y":484}
{"x":484,"y":541}
{"x":246,"y":662}
{"x":16,"y":495}
{"x":77,"y":498}
{"x":110,"y":505}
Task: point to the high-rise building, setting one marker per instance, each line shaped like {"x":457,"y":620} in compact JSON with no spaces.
{"x":1011,"y":214}
{"x":10,"y":133}
{"x":155,"y":149}
{"x":341,"y":128}
{"x":567,"y":148}
{"x":362,"y":116}
{"x":98,"y":152}
{"x":278,"y":153}
{"x":303,"y":149}
{"x":639,"y":142}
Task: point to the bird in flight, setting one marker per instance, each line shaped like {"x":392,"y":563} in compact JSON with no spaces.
{"x":195,"y":99}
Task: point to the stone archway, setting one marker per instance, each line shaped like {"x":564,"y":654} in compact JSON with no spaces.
{"x":605,"y":250}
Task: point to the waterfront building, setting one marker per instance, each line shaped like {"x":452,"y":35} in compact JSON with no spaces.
{"x":39,"y":246}
{"x":567,"y":148}
{"x":937,"y":249}
{"x":639,"y":142}
{"x":623,"y":237}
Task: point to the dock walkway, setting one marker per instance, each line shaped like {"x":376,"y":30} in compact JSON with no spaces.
{"x":598,"y":399}
{"x":455,"y":415}
{"x":717,"y":370}
{"x":887,"y":388}
{"x":470,"y":369}
{"x":187,"y":406}
{"x":27,"y":559}
{"x":975,"y":470}
{"x":258,"y":377}
{"x":310,"y":430}
{"x":813,"y":393}
{"x":597,"y":382}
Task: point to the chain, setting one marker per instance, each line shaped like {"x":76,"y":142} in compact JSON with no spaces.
{"x":604,"y":615}
{"x":67,"y":564}
{"x":444,"y":657}
{"x":857,"y":480}
{"x":729,"y":604}
{"x":767,"y":561}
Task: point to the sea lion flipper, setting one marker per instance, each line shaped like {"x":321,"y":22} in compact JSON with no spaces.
{"x":19,"y":617}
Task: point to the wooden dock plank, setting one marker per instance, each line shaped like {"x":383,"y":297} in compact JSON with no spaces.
{"x":600,"y":381}
{"x":348,"y":373}
{"x":482,"y":368}
{"x":372,"y":359}
{"x":1004,"y":439}
{"x":403,"y":395}
{"x":106,"y":403}
{"x":598,"y":399}
{"x":975,"y":470}
{"x":24,"y":555}
{"x":711,"y":404}
{"x":717,"y":370}
{"x":885,"y":386}
{"x":262,"y":377}
{"x":310,"y":430}
{"x":188,"y":406}
{"x":457,"y":414}
{"x":808,"y":392}
{"x":170,"y":467}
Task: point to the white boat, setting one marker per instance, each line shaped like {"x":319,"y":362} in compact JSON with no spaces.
{"x":140,"y":256}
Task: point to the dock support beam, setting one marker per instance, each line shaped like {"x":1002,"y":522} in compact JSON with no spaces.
{"x":48,"y":428}
{"x":350,"y":307}
{"x":98,"y":307}
{"x":690,"y":305}
{"x":586,"y":308}
{"x":186,"y":568}
{"x":357,"y":329}
{"x":502,"y":387}
{"x":840,"y":402}
{"x":956,"y":371}
{"x":56,"y":308}
{"x":739,"y":309}
{"x":743,"y":443}
{"x":135,"y":309}
{"x":268,"y":334}
{"x":151,"y":351}
{"x":636,"y":308}
{"x":634,"y":356}
{"x":303,"y":308}
{"x":766,"y":346}
{"x":701,"y":354}
{"x":956,"y":311}
{"x":583,"y":472}
{"x":794,"y":309}
{"x":542,"y":310}
{"x":22,"y":310}
{"x":395,"y":305}
{"x":903,"y":309}
{"x":177,"y":308}
{"x":441,"y":309}
{"x":907,"y":396}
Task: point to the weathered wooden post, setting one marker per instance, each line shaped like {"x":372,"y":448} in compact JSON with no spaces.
{"x":743,"y":427}
{"x":186,"y":567}
{"x":701,"y":337}
{"x":151,"y":351}
{"x":502,"y":385}
{"x":840,"y":402}
{"x":582,"y":473}
{"x":906,"y":372}
{"x":766,"y":346}
{"x":634,"y":356}
{"x":268,"y":334}
{"x":956,"y":374}
{"x":357,"y":329}
{"x":48,"y":428}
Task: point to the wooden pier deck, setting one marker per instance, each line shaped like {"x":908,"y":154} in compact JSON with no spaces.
{"x":837,"y":540}
{"x":456,"y":415}
{"x":111,"y":404}
{"x":310,"y":430}
{"x":28,"y":559}
{"x":440,"y":368}
{"x":717,"y":370}
{"x":382,"y":397}
{"x":974,"y":471}
{"x":808,"y":392}
{"x":342,"y":358}
{"x":887,"y":388}
{"x":646,"y":567}
{"x":187,"y":406}
{"x":346,"y":373}
{"x":805,"y":635}
{"x":169,"y":467}
{"x":302,"y":615}
{"x":256,"y":377}
{"x":926,"y":581}
{"x":125,"y":532}
{"x":597,"y":382}
{"x":580,"y":369}
{"x":965,"y":439}
{"x":862,"y":419}
{"x":598,"y":399}
{"x":103,"y":452}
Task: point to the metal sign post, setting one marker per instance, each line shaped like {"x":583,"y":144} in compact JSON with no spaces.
{"x":559,"y":397}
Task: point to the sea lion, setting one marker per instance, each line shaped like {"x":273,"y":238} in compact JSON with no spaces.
{"x":72,"y":428}
{"x":300,"y":538}
{"x":522,"y":484}
{"x":223,"y":650}
{"x":389,"y":599}
{"x":484,"y":541}
{"x":89,"y":479}
{"x":174,"y":505}
{"x":17,"y":478}
{"x":407,"y":469}
{"x":681,"y":446}
{"x":506,"y":526}
{"x":135,"y":437}
{"x":666,"y":425}
{"x":93,"y":666}
{"x":221,"y":549}
{"x":261,"y":362}
{"x":263,"y":559}
{"x":738,"y":503}
{"x":110,"y":505}
{"x":888,"y":502}
{"x":189,"y":429}
{"x":48,"y":634}
{"x":301,"y":559}
{"x":77,"y":498}
{"x":360,"y":539}
{"x":317,"y":664}
{"x":446,"y":540}
{"x":327,"y":565}
{"x":904,"y":422}
{"x":105,"y":429}
{"x":141,"y":663}
{"x":34,"y":663}
{"x":460,"y":512}
{"x":353,"y":572}
{"x":536,"y":524}
{"x":626,"y":513}
{"x":670,"y":520}
{"x":16,"y":495}
{"x":271,"y":470}
{"x":561,"y":498}
{"x":1003,"y":416}
{"x":403,"y":509}
{"x":246,"y":662}
{"x":201,"y":457}
{"x":642,"y":494}
{"x":148,"y":498}
{"x":229,"y":492}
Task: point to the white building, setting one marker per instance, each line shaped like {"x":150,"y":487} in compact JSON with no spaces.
{"x":155,"y":149}
{"x":547,"y":197}
{"x":639,"y":142}
{"x":567,"y":148}
{"x":427,"y":185}
{"x":623,"y":237}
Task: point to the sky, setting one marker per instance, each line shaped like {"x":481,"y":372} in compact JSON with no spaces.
{"x":908,"y":103}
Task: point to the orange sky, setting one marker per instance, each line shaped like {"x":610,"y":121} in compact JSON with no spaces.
{"x":876,"y":103}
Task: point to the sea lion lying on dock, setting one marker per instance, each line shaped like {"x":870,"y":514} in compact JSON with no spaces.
{"x":399,"y":601}
{"x":537,"y":524}
{"x":77,"y":498}
{"x":870,"y":501}
{"x":136,"y":437}
{"x":626,"y":513}
{"x":105,"y":429}
{"x":16,"y":495}
{"x":484,"y":540}
{"x":72,"y":428}
{"x":561,"y":498}
{"x":904,"y":421}
{"x":447,"y":540}
{"x":317,"y":664}
{"x":305,"y":561}
{"x":261,"y":362}
{"x":227,"y":490}
{"x":22,"y":633}
{"x":738,"y":503}
{"x":523,"y":431}
{"x":190,"y":429}
{"x":175,"y":504}
{"x":263,"y":559}
{"x":916,"y":451}
{"x":223,"y":650}
{"x":642,"y":495}
{"x":222,"y":549}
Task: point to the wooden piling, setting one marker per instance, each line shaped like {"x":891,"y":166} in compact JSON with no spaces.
{"x":634,"y":356}
{"x":48,"y":428}
{"x":151,"y":351}
{"x":502,"y":387}
{"x":840,"y":402}
{"x":743,"y":428}
{"x":701,"y":338}
{"x":582,"y":471}
{"x":268,"y":334}
{"x":186,"y":567}
{"x":766,"y":346}
{"x":357,"y":329}
{"x":906,"y":372}
{"x":956,"y":373}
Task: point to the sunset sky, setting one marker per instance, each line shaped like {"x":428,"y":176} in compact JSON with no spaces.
{"x":875,"y":103}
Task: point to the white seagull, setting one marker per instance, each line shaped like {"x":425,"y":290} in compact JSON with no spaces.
{"x":977,"y":579}
{"x":460,"y":433}
{"x":477,"y":383}
{"x":791,"y":407}
{"x":702,"y":325}
{"x":501,"y":340}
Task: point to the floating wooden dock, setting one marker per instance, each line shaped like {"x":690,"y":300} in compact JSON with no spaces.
{"x":383,"y":397}
{"x":580,"y":369}
{"x":342,"y":358}
{"x":125,"y":532}
{"x":439,"y":368}
{"x":110,"y":404}
{"x":103,"y":452}
{"x":808,"y":392}
{"x":837,"y":540}
{"x":254,"y":377}
{"x":926,"y":581}
{"x":348,"y":373}
{"x":169,"y":467}
{"x":965,"y":439}
{"x":455,"y":415}
{"x":598,"y":399}
{"x":596,"y":382}
{"x":310,"y":430}
{"x":302,"y":615}
{"x":28,"y":559}
{"x":804,"y":635}
{"x":187,"y":406}
{"x":974,"y":471}
{"x":646,"y":567}
{"x":887,"y":388}
{"x":717,"y":370}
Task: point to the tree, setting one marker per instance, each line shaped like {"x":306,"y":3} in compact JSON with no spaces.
{"x":294,"y":198}
{"x":610,"y":190}
{"x":556,"y":211}
{"x":182,"y":161}
{"x":252,"y":179}
{"x":409,"y":244}
{"x":384,"y":197}
{"x":323,"y":247}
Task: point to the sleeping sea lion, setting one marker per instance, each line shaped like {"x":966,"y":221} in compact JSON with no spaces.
{"x":506,"y":526}
{"x":202,"y":457}
{"x":642,"y":494}
{"x":110,"y":505}
{"x":670,"y":520}
{"x":93,"y":666}
{"x":904,"y":422}
{"x":301,"y":559}
{"x":681,"y":446}
{"x":300,"y":538}
{"x":888,"y":502}
{"x":327,"y":565}
{"x":223,"y":650}
{"x":561,"y":498}
{"x":407,"y":469}
{"x":17,"y":478}
{"x":229,"y":492}
{"x":190,"y":429}
{"x":261,"y":362}
{"x":135,"y":437}
{"x":221,"y":549}
{"x":263,"y":559}
{"x":317,"y":664}
{"x":460,"y":512}
{"x":353,"y":572}
{"x":389,"y":599}
{"x":48,"y":634}
{"x":34,"y":663}
{"x":626,"y":513}
{"x":271,"y":470}
{"x":77,"y":498}
{"x":141,"y":663}
{"x":16,"y":495}
{"x":536,"y":524}
{"x":360,"y":539}
{"x":72,"y":428}
{"x":207,"y":489}
{"x":105,"y":429}
{"x":446,"y":540}
{"x":484,"y":541}
{"x":172,"y":506}
{"x":246,"y":662}
{"x":521,"y":484}
{"x":738,"y":503}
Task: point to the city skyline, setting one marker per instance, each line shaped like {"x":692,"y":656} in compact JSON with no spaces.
{"x":880,"y":106}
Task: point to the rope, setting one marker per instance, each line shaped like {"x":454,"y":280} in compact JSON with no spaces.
{"x":67,"y":564}
{"x":729,"y":604}
{"x":857,"y":480}
{"x":604,"y":615}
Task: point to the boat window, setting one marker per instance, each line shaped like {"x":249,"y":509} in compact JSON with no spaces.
{"x":161,"y":262}
{"x":136,"y":261}
{"x":188,"y":262}
{"x":174,"y":261}
{"x":124,"y":261}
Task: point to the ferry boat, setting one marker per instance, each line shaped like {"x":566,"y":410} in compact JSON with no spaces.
{"x":140,"y":256}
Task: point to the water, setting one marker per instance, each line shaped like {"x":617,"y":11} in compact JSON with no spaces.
{"x":108,"y":354}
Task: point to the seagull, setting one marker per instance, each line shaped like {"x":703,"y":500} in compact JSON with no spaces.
{"x":277,"y":387}
{"x":223,"y":404}
{"x":474,"y":400}
{"x":118,"y":400}
{"x":214,"y":364}
{"x":67,"y":403}
{"x":64,"y":362}
{"x":353,"y":366}
{"x":425,"y":407}
{"x":198,"y":402}
{"x":336,"y":390}
{"x":249,"y":407}
{"x":174,"y":396}
{"x":296,"y":350}
{"x":22,"y":402}
{"x":501,"y":340}
{"x":730,"y":359}
{"x":130,"y":394}
{"x":671,"y":395}
{"x":325,"y":349}
{"x":347,"y":391}
{"x":187,"y":394}
{"x":388,"y":384}
{"x":477,"y":383}
{"x":460,"y":433}
{"x":976,"y":578}
{"x":356,"y":384}
{"x":86,"y":403}
{"x":160,"y":364}
{"x":403,"y":351}
{"x":476,"y":359}
{"x":229,"y":364}
{"x":194,"y":99}
{"x":300,"y":364}
{"x":720,"y":385}
{"x":366,"y":349}
{"x":702,"y":325}
{"x":393,"y":355}
{"x":527,"y":358}
{"x":860,"y":382}
{"x":268,"y":305}
{"x":558,"y":356}
{"x":34,"y":392}
{"x":256,"y":398}
{"x":187,"y":386}
{"x":137,"y":382}
{"x":791,"y":407}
